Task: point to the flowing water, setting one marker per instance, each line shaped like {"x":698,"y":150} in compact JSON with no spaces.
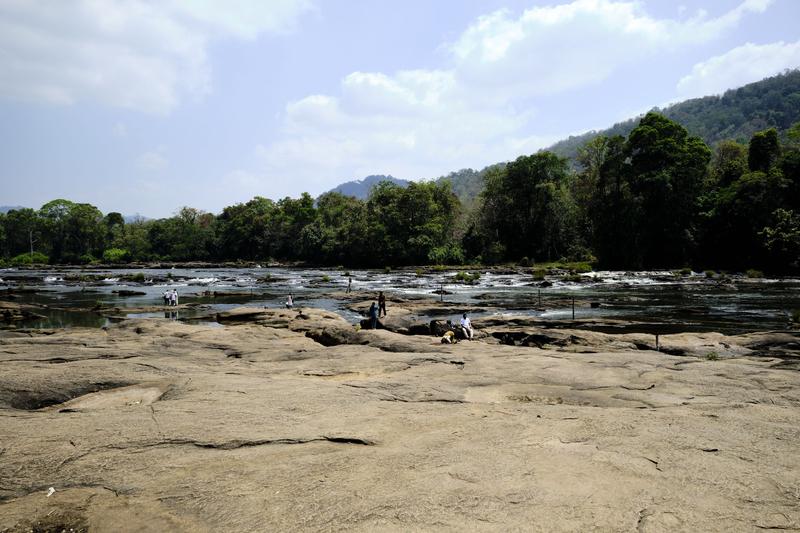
{"x":689,"y":303}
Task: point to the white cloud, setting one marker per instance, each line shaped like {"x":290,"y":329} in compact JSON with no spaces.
{"x":744,"y":64}
{"x":480,"y":107}
{"x":555,"y":48}
{"x":140,"y":54}
{"x":152,"y":161}
{"x":120,"y":130}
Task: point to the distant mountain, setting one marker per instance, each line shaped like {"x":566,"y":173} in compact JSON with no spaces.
{"x":737,"y":114}
{"x":136,"y":217}
{"x":467,"y":183}
{"x":361,"y":188}
{"x":7,"y":208}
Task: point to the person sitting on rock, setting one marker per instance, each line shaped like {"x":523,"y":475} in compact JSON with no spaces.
{"x":373,"y":316}
{"x":466,"y":326}
{"x":449,"y":337}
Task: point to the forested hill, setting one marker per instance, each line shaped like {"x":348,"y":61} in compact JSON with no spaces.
{"x":736,"y":115}
{"x":361,"y":188}
{"x":467,"y":183}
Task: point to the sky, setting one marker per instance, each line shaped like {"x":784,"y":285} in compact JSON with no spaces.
{"x":146,"y":106}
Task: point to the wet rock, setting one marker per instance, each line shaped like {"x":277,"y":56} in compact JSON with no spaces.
{"x":11,"y":312}
{"x":126,"y":292}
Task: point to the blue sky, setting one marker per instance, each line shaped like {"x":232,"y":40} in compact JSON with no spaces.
{"x":145,"y":106}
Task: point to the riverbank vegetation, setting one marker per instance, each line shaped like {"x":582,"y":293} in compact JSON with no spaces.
{"x":658,"y":198}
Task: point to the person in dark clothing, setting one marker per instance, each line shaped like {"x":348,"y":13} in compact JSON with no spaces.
{"x":381,"y":304}
{"x":373,"y":316}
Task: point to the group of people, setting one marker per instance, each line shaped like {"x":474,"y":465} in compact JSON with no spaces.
{"x":376,"y":310}
{"x":171,"y":297}
{"x":465,"y":325}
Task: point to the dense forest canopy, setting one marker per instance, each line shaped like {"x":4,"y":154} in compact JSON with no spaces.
{"x":658,"y":198}
{"x":713,"y":183}
{"x":735,"y":115}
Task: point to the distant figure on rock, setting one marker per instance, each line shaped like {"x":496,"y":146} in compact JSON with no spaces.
{"x":466,"y":325}
{"x":373,"y":316}
{"x":349,"y":285}
{"x":289,"y":301}
{"x":174,"y":298}
{"x":449,"y":337}
{"x":381,"y":304}
{"x":167,"y":297}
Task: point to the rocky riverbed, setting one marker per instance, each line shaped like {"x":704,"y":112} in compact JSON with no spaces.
{"x":295,"y":420}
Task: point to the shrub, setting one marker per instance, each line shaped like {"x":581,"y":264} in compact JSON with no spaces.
{"x":686,"y":271}
{"x":524,"y":262}
{"x":466,"y":277}
{"x":115,"y":255}
{"x":538,"y":274}
{"x":753,"y":273}
{"x":137,"y":278}
{"x":326,"y":278}
{"x":580,"y":267}
{"x":712,"y":356}
{"x":85,"y":259}
{"x":34,"y":258}
{"x":451,"y":254}
{"x":710,"y":274}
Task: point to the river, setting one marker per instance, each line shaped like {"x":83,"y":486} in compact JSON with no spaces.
{"x":677,"y":303}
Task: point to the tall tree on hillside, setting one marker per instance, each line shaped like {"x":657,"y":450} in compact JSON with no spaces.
{"x":667,"y":170}
{"x":528,"y":209}
{"x":764,"y":150}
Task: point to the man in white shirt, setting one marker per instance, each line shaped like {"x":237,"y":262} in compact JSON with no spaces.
{"x":466,"y":325}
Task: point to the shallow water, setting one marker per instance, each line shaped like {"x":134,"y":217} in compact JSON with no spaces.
{"x":692,"y":303}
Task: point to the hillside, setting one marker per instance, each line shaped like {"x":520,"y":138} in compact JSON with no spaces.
{"x":360,"y":188}
{"x":467,"y":183}
{"x":737,"y":114}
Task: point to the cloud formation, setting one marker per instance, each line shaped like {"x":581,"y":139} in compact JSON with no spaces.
{"x":481,"y":106}
{"x":152,"y":161}
{"x":139,"y":54}
{"x":739,"y":66}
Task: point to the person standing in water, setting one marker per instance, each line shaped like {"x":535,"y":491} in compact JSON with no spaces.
{"x":290,"y":301}
{"x":349,"y":285}
{"x":381,"y":304}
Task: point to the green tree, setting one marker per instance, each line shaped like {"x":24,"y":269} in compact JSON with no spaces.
{"x":782,"y":240}
{"x":527,"y":210}
{"x":23,"y":232}
{"x":763,"y":151}
{"x":666,"y":172}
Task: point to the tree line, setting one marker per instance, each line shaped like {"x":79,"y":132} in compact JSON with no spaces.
{"x":656,"y":198}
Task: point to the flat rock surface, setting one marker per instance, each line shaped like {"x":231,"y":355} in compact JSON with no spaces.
{"x":156,"y":425}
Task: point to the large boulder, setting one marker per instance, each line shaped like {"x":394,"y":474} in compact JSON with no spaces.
{"x":336,"y":336}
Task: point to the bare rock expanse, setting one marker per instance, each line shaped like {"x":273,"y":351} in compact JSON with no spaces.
{"x":286,"y":420}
